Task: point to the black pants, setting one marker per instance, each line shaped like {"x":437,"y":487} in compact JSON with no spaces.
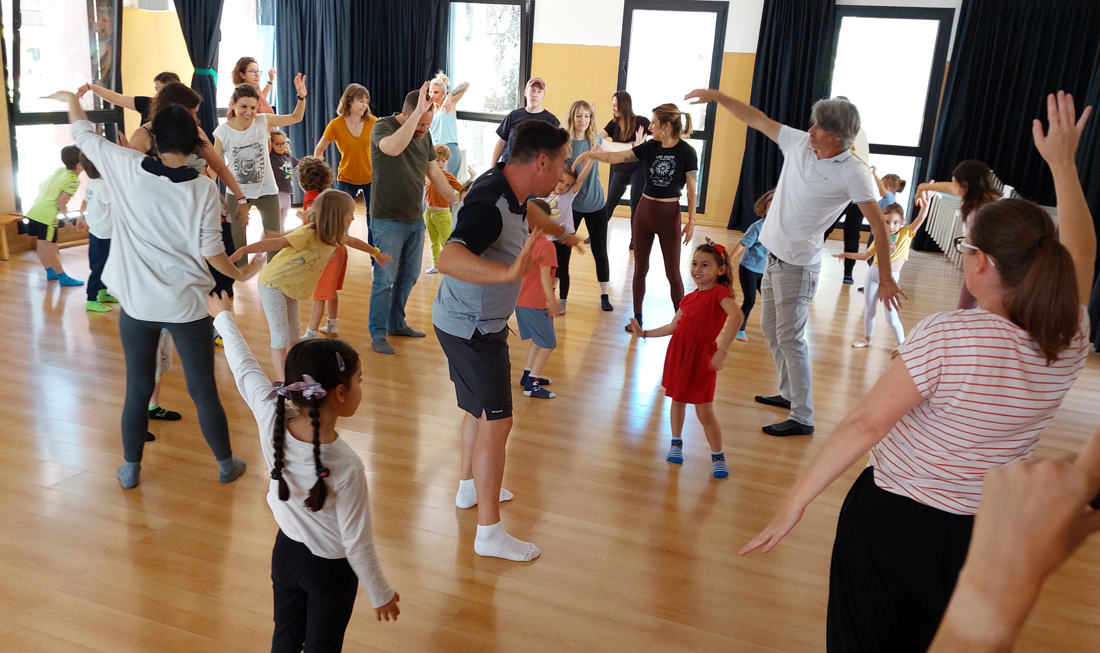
{"x":195,"y":343}
{"x":98,"y":250}
{"x":223,"y":283}
{"x":314,"y":598}
{"x":616,"y":187}
{"x":597,"y":230}
{"x":853,"y":226}
{"x":895,"y":564}
{"x":750,"y":285}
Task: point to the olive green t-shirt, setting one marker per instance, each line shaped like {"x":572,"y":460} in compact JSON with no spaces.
{"x":398,"y":185}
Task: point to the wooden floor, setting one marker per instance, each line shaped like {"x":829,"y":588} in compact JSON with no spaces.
{"x":638,"y":554}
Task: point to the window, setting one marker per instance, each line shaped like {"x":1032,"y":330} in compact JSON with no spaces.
{"x":890,"y":63}
{"x":59,"y":44}
{"x":655,"y":75}
{"x":243,"y":35}
{"x":489,"y":45}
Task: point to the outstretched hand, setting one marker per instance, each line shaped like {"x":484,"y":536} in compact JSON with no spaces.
{"x":61,"y":96}
{"x":383,"y":258}
{"x":424,"y":100}
{"x":783,"y":522}
{"x":703,"y":95}
{"x":1059,"y":144}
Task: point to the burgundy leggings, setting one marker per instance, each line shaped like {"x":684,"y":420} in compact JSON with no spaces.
{"x":660,"y":219}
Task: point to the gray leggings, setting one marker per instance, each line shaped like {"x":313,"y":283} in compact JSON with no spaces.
{"x":269,"y":209}
{"x":195,"y":343}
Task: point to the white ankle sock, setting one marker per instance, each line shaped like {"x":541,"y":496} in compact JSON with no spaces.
{"x":467,"y":494}
{"x":493,"y":542}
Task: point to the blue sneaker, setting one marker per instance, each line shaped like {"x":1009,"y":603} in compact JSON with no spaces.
{"x":66,"y":280}
{"x":721,"y":469}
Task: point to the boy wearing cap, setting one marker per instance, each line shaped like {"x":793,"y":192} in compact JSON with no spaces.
{"x":535,"y":93}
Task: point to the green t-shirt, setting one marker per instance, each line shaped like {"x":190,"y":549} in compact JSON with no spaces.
{"x":44,"y":210}
{"x":398,"y":184}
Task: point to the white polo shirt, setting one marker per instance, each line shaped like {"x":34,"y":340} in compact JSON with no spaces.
{"x":810,"y":196}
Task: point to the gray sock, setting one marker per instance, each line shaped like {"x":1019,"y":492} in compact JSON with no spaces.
{"x":129,"y":474}
{"x":230,"y":469}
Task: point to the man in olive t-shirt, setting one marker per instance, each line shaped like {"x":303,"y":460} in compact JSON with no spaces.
{"x":402,"y":154}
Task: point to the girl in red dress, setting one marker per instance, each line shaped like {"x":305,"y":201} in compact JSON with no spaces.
{"x":693,"y":357}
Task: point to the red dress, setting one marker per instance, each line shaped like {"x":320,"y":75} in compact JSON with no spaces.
{"x":688,"y":377}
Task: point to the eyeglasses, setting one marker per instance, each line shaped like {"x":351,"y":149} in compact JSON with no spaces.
{"x":280,"y":143}
{"x":961,"y":246}
{"x":252,"y":71}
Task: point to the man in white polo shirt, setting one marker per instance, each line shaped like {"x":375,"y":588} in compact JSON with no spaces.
{"x":820,"y":177}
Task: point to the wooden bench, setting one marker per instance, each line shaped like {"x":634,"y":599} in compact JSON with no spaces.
{"x":6,"y":219}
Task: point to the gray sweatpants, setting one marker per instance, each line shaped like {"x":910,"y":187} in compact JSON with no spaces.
{"x":786,"y":292}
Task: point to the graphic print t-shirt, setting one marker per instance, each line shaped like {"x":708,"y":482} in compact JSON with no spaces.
{"x":666,"y":168}
{"x":247,"y":157}
{"x":283,"y":166}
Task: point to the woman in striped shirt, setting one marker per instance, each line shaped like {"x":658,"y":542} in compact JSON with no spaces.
{"x":969,"y":391}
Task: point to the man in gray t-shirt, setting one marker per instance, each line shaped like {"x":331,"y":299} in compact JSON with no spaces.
{"x":401,"y":154}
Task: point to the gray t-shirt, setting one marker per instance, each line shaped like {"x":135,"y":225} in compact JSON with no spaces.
{"x":590,"y":196}
{"x":398,"y":182}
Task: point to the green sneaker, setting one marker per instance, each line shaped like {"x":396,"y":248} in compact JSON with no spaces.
{"x":105,"y":297}
{"x":96,"y":307}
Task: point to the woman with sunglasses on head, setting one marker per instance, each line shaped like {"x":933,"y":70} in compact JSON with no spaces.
{"x":969,"y":391}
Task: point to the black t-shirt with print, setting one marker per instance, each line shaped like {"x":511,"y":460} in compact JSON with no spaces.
{"x":666,"y":168}
{"x":616,"y":136}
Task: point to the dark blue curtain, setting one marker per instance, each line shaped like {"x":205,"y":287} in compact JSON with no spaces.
{"x":1088,"y":166}
{"x":787,"y":79}
{"x":389,"y":46}
{"x":199,"y":20}
{"x":1008,"y":55}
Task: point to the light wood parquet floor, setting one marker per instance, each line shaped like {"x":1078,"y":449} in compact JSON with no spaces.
{"x":638,"y":554}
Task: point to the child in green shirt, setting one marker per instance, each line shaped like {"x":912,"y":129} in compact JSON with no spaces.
{"x":53,"y":199}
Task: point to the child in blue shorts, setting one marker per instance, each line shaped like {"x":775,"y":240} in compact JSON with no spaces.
{"x":535,"y":313}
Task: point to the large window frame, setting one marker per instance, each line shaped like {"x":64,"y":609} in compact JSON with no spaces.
{"x":527,"y":38}
{"x":923,"y":150}
{"x":109,"y":118}
{"x":704,"y":132}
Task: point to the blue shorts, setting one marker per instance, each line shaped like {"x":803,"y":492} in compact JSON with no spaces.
{"x":536,"y":325}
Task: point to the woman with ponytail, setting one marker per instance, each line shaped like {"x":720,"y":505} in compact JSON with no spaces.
{"x":968,"y":391}
{"x":318,"y":492}
{"x":670,"y":165}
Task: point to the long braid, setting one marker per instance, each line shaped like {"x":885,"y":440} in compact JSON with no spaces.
{"x":279,"y":437}
{"x":319,"y":491}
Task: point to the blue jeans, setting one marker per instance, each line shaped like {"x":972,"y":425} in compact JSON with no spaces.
{"x":393,"y":283}
{"x":455,"y":162}
{"x":354,"y":190}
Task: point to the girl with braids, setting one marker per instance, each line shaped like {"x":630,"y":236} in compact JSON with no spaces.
{"x":693,"y":358}
{"x":318,"y":491}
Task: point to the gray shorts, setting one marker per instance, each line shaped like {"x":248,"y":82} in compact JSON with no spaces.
{"x":536,"y":325}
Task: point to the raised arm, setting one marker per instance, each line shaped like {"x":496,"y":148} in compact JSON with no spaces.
{"x":625,"y":156}
{"x":882,"y":192}
{"x":746,"y":113}
{"x":924,"y":202}
{"x":585,"y":171}
{"x":299,"y":109}
{"x":1058,"y":147}
{"x":454,"y":96}
{"x":395,"y":143}
{"x":869,"y":422}
{"x":117,"y":99}
{"x":947,"y":187}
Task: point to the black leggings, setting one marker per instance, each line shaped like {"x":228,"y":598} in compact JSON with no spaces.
{"x":314,"y":598}
{"x":616,"y":187}
{"x":750,"y":285}
{"x":660,"y":220}
{"x":597,"y":230}
{"x":195,"y":343}
{"x":853,"y":226}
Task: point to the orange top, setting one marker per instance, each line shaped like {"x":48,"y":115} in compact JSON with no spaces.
{"x":355,"y":167}
{"x":432,"y":197}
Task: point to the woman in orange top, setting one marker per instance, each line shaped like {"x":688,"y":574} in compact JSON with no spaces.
{"x":350,"y":130}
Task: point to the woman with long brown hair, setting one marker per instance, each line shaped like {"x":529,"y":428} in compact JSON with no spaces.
{"x":350,"y":130}
{"x":968,"y":391}
{"x":625,"y":127}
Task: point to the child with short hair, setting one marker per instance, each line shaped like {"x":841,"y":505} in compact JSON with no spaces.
{"x":293,"y":273}
{"x":751,"y":270}
{"x":901,"y":238}
{"x":561,"y":211}
{"x":53,"y":198}
{"x":318,"y":491}
{"x":96,"y":218}
{"x":282,"y":164}
{"x":693,"y":358}
{"x":438,"y":212}
{"x":314,"y":176}
{"x":536,"y":309}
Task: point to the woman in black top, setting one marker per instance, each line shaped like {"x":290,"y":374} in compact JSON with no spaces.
{"x":669,"y":164}
{"x":139,"y":103}
{"x":625,"y":127}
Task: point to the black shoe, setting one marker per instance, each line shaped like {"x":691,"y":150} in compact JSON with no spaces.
{"x":632,"y":247}
{"x":775,"y":400}
{"x":149,"y":437}
{"x":166,"y":415}
{"x":789,"y":427}
{"x":860,"y":289}
{"x":605,"y":303}
{"x":848,"y":280}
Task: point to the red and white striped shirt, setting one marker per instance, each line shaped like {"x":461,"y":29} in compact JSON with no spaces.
{"x":988,"y":392}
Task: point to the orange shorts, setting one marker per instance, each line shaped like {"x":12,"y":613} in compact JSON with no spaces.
{"x":332,"y":278}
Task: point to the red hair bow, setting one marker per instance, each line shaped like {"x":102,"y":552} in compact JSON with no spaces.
{"x":718,"y":248}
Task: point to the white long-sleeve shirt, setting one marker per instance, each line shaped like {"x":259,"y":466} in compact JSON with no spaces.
{"x":342,"y":528}
{"x":164,"y":223}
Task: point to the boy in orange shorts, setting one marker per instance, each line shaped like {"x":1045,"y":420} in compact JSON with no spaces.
{"x":314,"y":176}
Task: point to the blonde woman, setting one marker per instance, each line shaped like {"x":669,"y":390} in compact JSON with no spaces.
{"x":444,"y":129}
{"x":588,"y":206}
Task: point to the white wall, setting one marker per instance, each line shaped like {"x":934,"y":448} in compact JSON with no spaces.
{"x":600,"y":22}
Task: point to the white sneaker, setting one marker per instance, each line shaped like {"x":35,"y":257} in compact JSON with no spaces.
{"x":310,"y":334}
{"x":432,"y":270}
{"x":329,"y":328}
